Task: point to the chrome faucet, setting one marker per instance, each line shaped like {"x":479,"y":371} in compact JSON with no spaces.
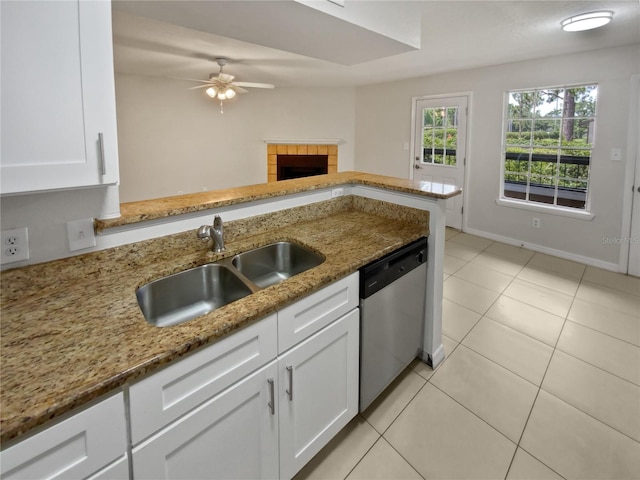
{"x":215,"y":232}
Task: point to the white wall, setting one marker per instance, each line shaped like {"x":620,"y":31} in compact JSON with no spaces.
{"x":383,"y":124}
{"x":174,"y":140}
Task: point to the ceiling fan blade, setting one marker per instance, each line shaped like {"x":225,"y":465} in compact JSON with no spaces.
{"x":190,"y":79}
{"x":239,"y":89}
{"x":253,"y":85}
{"x":206,"y":85}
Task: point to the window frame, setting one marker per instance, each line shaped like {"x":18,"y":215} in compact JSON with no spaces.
{"x":573,"y":212}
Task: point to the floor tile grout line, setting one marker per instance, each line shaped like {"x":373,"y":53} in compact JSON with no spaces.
{"x":365,"y":453}
{"x":601,"y":332}
{"x":474,"y":414}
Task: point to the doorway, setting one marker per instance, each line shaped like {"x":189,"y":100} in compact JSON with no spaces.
{"x":440,"y":144}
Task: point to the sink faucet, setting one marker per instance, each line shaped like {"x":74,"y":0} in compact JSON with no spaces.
{"x":215,"y":232}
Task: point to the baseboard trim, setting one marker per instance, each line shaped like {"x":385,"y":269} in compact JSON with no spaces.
{"x":594,"y":262}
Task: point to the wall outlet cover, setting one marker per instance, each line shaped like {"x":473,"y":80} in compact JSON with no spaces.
{"x":81,"y":234}
{"x":15,"y":245}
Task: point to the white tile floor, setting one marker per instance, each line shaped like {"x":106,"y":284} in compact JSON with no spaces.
{"x":541,"y":379}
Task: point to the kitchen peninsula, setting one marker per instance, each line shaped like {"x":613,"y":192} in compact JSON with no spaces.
{"x":72,"y":331}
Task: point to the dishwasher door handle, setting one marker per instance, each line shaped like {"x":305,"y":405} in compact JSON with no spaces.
{"x":290,"y":390}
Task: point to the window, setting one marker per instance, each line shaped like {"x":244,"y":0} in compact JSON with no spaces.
{"x":440,"y":135}
{"x":548,"y":142}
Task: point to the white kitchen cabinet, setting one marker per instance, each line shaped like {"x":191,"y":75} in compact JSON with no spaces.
{"x":58,"y":117}
{"x":176,"y":390}
{"x":233,"y":435}
{"x":90,"y":443}
{"x":318,"y":391}
{"x":260,"y":403}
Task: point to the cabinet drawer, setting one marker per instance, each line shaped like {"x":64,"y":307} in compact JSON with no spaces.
{"x":74,"y":448}
{"x":310,"y":314}
{"x":185,"y":384}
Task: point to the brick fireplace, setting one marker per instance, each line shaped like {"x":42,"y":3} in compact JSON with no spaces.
{"x":300,"y":160}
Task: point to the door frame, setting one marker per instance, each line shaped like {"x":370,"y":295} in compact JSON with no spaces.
{"x":631,"y":171}
{"x":465,"y":189}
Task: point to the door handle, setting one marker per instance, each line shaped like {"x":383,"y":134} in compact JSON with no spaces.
{"x":290,"y":390}
{"x":272,"y":403}
{"x":417,"y":167}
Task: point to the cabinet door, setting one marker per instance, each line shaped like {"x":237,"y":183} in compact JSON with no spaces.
{"x":58,"y":96}
{"x":74,"y":448}
{"x":318,"y":391}
{"x":233,"y":435}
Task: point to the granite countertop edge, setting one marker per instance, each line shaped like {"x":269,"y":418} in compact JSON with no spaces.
{"x":154,"y":209}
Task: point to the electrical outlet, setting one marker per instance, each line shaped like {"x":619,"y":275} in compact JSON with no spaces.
{"x":15,"y":245}
{"x":535,"y":223}
{"x":337,"y":192}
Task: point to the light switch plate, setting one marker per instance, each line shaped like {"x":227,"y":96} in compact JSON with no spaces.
{"x":81,"y":234}
{"x":616,"y":154}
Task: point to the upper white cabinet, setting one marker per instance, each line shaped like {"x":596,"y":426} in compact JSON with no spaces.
{"x":58,"y":125}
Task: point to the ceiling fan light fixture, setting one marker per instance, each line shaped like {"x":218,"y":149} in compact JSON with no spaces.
{"x":222,"y":96}
{"x":211,"y":91}
{"x":587,"y":21}
{"x":230,"y":92}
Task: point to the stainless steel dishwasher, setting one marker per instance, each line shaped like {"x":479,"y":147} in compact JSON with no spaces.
{"x":392,"y":301}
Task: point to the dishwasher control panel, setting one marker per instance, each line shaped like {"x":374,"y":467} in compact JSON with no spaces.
{"x":380,"y":273}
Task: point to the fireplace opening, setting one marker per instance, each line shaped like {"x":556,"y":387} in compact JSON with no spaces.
{"x":297,"y":166}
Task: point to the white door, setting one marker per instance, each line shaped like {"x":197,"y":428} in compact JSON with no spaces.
{"x":439,"y":146}
{"x":318,"y":391}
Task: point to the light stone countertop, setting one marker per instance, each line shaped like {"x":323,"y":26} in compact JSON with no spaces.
{"x":71,"y":330}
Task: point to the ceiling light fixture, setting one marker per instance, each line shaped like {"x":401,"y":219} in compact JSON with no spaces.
{"x":587,"y":21}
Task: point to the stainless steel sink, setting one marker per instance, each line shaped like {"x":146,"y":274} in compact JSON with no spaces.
{"x":274,"y":263}
{"x":189,"y":294}
{"x":186,"y":295}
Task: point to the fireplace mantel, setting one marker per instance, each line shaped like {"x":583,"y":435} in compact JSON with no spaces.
{"x":304,"y":141}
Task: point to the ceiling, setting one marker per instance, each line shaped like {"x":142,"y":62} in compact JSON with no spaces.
{"x":455,"y":35}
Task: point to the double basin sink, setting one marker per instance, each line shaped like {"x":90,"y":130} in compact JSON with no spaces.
{"x":186,"y":295}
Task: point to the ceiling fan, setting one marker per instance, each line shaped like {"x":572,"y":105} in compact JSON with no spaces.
{"x":222,"y":86}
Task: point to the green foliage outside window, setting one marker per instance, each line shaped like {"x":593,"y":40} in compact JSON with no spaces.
{"x":549,"y":138}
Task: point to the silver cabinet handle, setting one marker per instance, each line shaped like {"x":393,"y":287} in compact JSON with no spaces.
{"x":272,"y":404}
{"x":103,"y":165}
{"x":290,"y":391}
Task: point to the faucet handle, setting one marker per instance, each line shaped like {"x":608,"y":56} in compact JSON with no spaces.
{"x":204,"y":233}
{"x":217,"y":222}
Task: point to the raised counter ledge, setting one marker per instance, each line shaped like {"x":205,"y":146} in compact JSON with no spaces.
{"x":72,"y":330}
{"x":135,"y":212}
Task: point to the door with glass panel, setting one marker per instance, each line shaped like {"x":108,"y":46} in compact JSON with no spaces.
{"x":439,"y":146}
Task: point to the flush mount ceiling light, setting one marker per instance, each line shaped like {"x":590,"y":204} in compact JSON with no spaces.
{"x":222,"y":86}
{"x":586,"y":21}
